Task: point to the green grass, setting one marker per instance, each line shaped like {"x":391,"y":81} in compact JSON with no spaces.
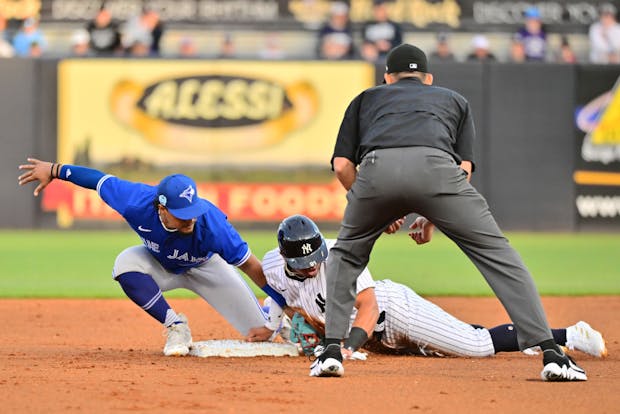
{"x":79,"y":263}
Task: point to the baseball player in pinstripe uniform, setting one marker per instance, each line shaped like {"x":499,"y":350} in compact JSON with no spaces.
{"x":187,"y":242}
{"x":395,"y":318}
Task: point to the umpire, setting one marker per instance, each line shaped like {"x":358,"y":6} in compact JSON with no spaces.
{"x":407,"y":147}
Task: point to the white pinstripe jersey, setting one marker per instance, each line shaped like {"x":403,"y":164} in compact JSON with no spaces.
{"x":308,"y":294}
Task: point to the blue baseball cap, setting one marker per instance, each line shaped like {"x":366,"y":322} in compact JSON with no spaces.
{"x":178,"y":194}
{"x":532,"y":13}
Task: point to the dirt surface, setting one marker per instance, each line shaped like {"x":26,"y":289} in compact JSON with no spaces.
{"x":98,"y":356}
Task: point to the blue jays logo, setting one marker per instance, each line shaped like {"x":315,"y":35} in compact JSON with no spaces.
{"x":188,"y":193}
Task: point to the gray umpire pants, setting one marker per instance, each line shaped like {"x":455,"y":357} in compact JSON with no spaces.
{"x":392,"y":183}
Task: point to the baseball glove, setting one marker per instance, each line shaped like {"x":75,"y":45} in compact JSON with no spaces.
{"x":304,"y":334}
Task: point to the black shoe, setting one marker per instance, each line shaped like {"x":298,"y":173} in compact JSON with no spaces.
{"x":560,"y":367}
{"x":328,"y":362}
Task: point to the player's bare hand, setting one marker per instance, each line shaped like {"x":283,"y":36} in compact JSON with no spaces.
{"x":36,"y":170}
{"x":259,"y":334}
{"x":394,"y":227}
{"x":422,"y":230}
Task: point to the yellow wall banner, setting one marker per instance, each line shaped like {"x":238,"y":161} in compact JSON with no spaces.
{"x":204,"y":113}
{"x":245,"y":130}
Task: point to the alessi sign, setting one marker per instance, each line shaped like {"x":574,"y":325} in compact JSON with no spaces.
{"x":214,"y":112}
{"x":204,"y":113}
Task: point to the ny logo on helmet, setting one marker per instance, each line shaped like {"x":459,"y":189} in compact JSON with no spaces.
{"x":188,"y":193}
{"x":306,"y":248}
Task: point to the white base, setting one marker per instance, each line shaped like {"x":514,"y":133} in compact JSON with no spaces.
{"x":237,"y":348}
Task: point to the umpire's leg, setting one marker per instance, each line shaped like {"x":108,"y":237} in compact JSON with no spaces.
{"x":370,"y":209}
{"x":461,"y":213}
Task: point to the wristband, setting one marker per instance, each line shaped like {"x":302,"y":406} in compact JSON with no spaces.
{"x":274,"y":295}
{"x":357,"y":338}
{"x":52,"y":171}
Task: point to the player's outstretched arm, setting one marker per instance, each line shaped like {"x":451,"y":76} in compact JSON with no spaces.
{"x":36,"y":170}
{"x":259,"y":334}
{"x":254,"y":269}
{"x":44,"y":172}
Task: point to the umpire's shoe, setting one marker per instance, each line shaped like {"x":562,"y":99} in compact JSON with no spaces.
{"x":328,"y":363}
{"x":560,"y":367}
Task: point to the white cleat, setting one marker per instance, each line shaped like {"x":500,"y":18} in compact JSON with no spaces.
{"x":582,"y":337}
{"x":179,"y":338}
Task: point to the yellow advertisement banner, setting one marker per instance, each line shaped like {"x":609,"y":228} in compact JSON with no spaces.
{"x":204,"y":113}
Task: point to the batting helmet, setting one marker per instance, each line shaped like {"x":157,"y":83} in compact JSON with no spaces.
{"x":301,"y":243}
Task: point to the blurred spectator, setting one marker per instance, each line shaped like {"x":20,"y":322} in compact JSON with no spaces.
{"x":517,"y":49}
{"x":604,"y":36}
{"x":29,"y":40}
{"x":228,"y":50}
{"x":105,"y":37}
{"x":144,"y":29}
{"x":272,"y":48}
{"x":187,"y":48}
{"x":533,"y":36}
{"x":80,"y":43}
{"x":139,"y":49}
{"x":369,"y":52}
{"x":566,"y":53}
{"x":382,"y":32}
{"x":442,"y":51}
{"x":35,"y":50}
{"x":6,"y":50}
{"x":481,"y":50}
{"x":335,"y":38}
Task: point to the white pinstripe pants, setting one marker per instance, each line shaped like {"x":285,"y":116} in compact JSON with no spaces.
{"x":411,"y":317}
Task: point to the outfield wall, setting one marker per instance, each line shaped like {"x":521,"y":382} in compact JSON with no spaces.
{"x":548,"y":149}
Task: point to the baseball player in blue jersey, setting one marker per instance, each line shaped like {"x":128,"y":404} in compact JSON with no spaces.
{"x":187,"y":242}
{"x":394,"y":317}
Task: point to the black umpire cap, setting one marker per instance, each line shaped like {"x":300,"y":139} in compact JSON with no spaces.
{"x":406,"y":58}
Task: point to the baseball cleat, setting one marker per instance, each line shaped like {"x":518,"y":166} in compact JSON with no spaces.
{"x":582,"y":337}
{"x":179,"y":338}
{"x":328,"y":363}
{"x":558,"y":367}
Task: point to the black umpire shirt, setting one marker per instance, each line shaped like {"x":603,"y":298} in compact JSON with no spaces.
{"x":407,"y":113}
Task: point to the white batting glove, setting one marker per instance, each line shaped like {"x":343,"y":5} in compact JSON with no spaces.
{"x":353,"y":355}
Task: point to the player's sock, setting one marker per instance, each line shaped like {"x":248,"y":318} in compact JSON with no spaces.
{"x":559,"y":336}
{"x":144,"y":292}
{"x":504,"y":338}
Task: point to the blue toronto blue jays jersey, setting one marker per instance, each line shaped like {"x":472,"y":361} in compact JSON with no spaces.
{"x":177,"y":252}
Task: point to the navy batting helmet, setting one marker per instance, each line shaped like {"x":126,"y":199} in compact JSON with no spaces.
{"x":301,"y":243}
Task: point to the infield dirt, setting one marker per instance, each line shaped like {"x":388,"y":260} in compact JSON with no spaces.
{"x":102,"y":356}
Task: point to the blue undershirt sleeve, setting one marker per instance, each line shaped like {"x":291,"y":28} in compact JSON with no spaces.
{"x":82,"y":176}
